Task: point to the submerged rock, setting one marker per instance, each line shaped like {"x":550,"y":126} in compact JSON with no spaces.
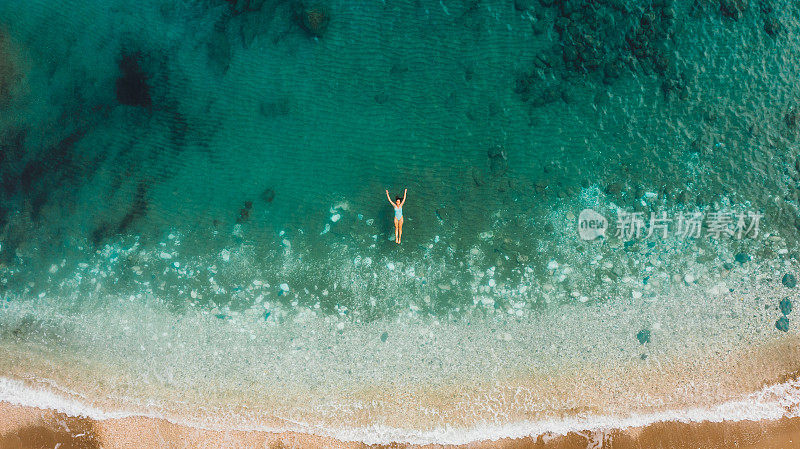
{"x":276,"y":108}
{"x":523,"y":5}
{"x":615,"y":188}
{"x":539,"y":88}
{"x":384,"y":337}
{"x":773,"y":26}
{"x":675,"y":85}
{"x":782,"y":324}
{"x":789,"y":280}
{"x":381,"y":97}
{"x":137,"y":210}
{"x":242,"y":6}
{"x":498,"y":163}
{"x":10,"y":70}
{"x":542,"y":86}
{"x":33,"y":329}
{"x":477,"y":177}
{"x":643,"y":336}
{"x":314,"y":19}
{"x":732,"y":8}
{"x":786,"y":306}
{"x":442,"y":213}
{"x":219,"y":48}
{"x":742,"y":257}
{"x":268,"y":195}
{"x":132,"y":85}
{"x":12,"y":148}
{"x":604,"y":38}
{"x":792,"y":119}
{"x":398,"y":69}
{"x":244,"y":213}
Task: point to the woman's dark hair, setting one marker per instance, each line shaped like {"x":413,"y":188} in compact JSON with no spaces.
{"x":397,"y":198}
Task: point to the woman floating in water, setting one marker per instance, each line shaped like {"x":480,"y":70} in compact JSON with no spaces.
{"x":398,"y":214}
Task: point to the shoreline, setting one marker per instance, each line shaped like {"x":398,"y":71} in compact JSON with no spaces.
{"x":771,"y":392}
{"x":772,"y":412}
{"x":22,"y":426}
{"x":716,"y":381}
{"x":716,"y":370}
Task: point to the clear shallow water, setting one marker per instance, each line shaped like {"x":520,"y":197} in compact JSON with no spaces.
{"x":200,"y":207}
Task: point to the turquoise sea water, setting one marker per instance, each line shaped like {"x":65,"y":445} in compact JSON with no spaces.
{"x":192,"y":197}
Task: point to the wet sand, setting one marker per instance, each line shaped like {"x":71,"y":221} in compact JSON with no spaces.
{"x":25,"y":427}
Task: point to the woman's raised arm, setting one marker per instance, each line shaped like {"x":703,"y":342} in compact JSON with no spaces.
{"x":404,"y":197}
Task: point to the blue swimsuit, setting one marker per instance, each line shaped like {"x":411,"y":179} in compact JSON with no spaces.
{"x":398,"y":213}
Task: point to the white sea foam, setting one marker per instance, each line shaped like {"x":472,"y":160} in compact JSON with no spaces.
{"x":771,"y":403}
{"x":17,"y":393}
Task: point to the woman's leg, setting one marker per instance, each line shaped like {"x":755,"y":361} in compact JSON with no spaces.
{"x":400,"y":227}
{"x":396,"y":230}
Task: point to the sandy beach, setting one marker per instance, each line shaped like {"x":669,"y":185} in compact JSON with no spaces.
{"x":26,"y":427}
{"x":730,"y":424}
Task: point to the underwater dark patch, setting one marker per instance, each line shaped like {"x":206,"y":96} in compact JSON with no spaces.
{"x":178,"y":129}
{"x":312,"y":18}
{"x":603,"y":39}
{"x":12,"y":149}
{"x":137,"y":210}
{"x":100,"y":233}
{"x":243,"y":6}
{"x":52,"y":165}
{"x":219,"y":47}
{"x":276,"y":108}
{"x":132,"y":85}
{"x":33,"y":329}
